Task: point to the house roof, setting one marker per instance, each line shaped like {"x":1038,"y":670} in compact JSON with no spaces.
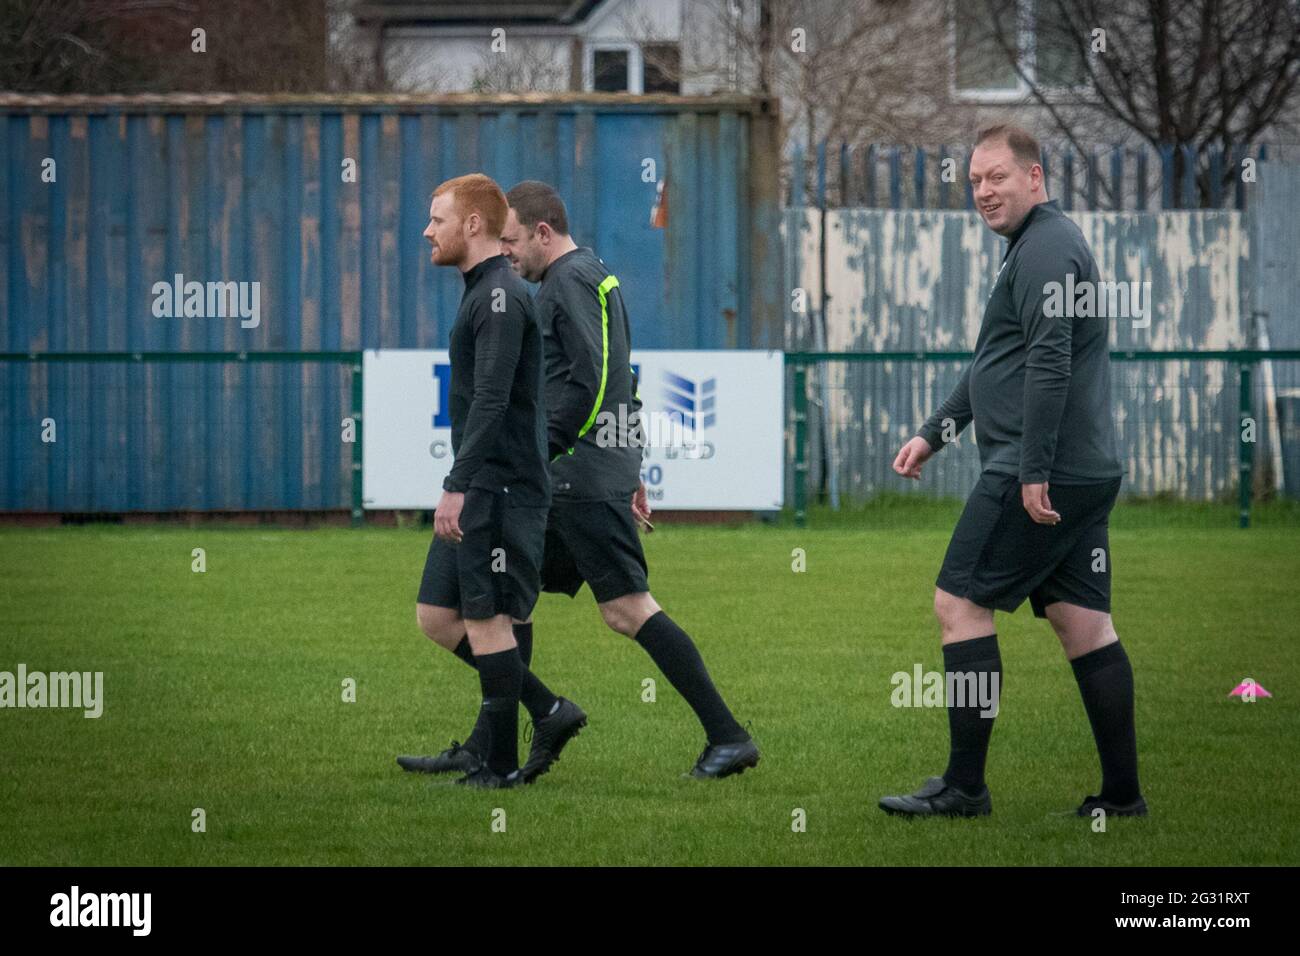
{"x":476,"y":12}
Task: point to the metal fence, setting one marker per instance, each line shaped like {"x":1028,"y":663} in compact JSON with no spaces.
{"x":1199,"y":426}
{"x":164,"y":432}
{"x":1106,"y":177}
{"x":282,"y":431}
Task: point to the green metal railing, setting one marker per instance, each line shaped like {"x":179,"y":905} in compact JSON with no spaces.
{"x":350,"y":358}
{"x":1244,"y":359}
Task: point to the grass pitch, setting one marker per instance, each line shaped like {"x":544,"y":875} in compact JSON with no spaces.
{"x":223,"y":691}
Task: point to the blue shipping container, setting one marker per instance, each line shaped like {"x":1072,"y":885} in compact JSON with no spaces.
{"x":103,"y":197}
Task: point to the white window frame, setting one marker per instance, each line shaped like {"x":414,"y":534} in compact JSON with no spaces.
{"x":635,"y":67}
{"x":1027,"y":52}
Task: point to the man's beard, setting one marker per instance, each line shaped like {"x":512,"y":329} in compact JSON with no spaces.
{"x":452,"y":253}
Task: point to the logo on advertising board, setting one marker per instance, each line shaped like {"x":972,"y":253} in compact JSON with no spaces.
{"x":442,"y":375}
{"x":693,"y":403}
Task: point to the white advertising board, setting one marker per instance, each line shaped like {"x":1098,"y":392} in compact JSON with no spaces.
{"x":713,"y":421}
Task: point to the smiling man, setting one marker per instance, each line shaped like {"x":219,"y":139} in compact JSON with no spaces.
{"x":1038,"y":391}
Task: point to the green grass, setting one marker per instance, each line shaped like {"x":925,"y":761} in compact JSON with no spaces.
{"x":223,"y":691}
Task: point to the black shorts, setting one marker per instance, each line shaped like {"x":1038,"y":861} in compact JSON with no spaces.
{"x":998,"y":555}
{"x":596,"y":542}
{"x":496,"y":566}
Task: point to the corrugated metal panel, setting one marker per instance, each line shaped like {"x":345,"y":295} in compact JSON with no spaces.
{"x":249,"y":189}
{"x":180,"y":437}
{"x":1275,"y":237}
{"x":914,"y":280}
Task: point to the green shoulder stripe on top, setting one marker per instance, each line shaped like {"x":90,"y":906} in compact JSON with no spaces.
{"x":602,"y":290}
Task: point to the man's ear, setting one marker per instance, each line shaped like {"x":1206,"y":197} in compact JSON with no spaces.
{"x":473,"y":224}
{"x":544,"y":233}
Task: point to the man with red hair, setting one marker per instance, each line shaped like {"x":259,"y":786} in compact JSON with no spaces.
{"x":484,"y":564}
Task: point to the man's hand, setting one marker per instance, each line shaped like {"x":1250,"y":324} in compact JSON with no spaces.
{"x":446,"y":517}
{"x":641,"y":508}
{"x":912,"y":456}
{"x":1037,"y":504}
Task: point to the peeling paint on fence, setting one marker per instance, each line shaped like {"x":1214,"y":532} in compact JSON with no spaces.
{"x":917,"y":280}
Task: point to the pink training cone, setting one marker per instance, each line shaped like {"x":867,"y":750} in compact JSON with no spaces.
{"x":1249,"y":685}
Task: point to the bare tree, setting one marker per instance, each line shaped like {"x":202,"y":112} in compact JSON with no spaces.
{"x":78,"y":46}
{"x":130,"y":46}
{"x":359,"y":61}
{"x":843,"y":71}
{"x":1181,"y":73}
{"x":522,"y":66}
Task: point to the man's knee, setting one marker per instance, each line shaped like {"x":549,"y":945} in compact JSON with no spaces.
{"x":942,"y":605}
{"x":628,"y":614}
{"x":1081,"y":630}
{"x":960,"y":618}
{"x":1059,"y":618}
{"x":950,"y":609}
{"x":490,"y":635}
{"x":440,"y":624}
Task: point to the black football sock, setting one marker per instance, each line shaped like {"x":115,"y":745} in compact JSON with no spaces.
{"x":1105,"y":679}
{"x":675,"y":654}
{"x":535,"y":695}
{"x":968,"y":730}
{"x":524,"y":638}
{"x":501,"y":675}
{"x":478,"y":737}
{"x":465,"y":652}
